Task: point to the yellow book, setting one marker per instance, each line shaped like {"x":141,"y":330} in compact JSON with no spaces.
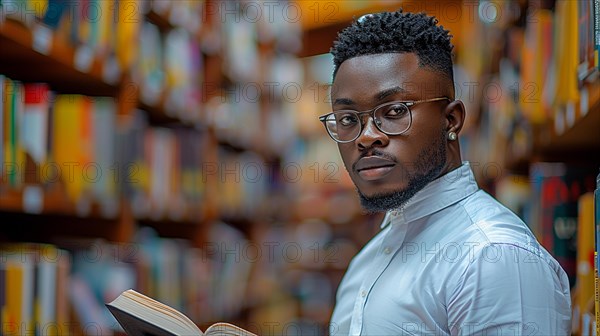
{"x":39,"y":7}
{"x":566,"y":52}
{"x":68,"y":111}
{"x":104,"y":26}
{"x":128,"y":26}
{"x":536,"y":56}
{"x":14,"y":303}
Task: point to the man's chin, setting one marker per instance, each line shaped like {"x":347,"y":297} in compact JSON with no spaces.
{"x":384,"y":202}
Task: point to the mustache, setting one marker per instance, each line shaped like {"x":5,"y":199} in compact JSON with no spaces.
{"x":374,"y":152}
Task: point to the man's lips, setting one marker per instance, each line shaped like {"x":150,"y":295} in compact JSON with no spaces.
{"x":373,"y":167}
{"x":372,"y":162}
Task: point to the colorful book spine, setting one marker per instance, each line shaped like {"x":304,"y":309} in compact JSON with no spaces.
{"x":55,"y":13}
{"x":35,"y":121}
{"x":584,"y":291}
{"x":597,"y":249}
{"x":558,"y":188}
{"x":597,"y":32}
{"x":585,"y":38}
{"x":14,"y":155}
{"x":566,"y":52}
{"x":2,"y":113}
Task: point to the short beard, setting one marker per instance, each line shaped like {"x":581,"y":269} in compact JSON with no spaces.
{"x":428,"y":166}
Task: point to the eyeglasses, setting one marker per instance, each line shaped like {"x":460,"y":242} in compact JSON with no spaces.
{"x":393,"y":118}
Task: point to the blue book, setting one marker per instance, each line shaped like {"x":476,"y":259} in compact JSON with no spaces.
{"x":54,"y":13}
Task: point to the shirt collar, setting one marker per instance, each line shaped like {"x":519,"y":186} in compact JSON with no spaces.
{"x":437,"y":195}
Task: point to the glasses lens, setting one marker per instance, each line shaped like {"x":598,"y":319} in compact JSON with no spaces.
{"x":343,"y":125}
{"x":394,"y":118}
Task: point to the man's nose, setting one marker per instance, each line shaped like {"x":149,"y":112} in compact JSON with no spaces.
{"x":370,"y":135}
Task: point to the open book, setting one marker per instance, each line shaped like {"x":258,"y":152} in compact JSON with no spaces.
{"x":140,"y":315}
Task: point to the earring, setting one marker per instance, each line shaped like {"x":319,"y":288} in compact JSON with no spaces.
{"x":452,"y":136}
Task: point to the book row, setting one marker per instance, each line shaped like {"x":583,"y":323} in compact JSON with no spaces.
{"x":82,"y":145}
{"x":34,"y":280}
{"x":165,"y":66}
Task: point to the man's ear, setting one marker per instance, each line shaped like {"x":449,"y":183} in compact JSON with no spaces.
{"x":455,"y":116}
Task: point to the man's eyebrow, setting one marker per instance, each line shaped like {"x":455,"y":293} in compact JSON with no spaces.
{"x":343,"y":101}
{"x":388,"y":92}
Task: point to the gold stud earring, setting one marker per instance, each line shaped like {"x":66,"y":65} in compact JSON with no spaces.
{"x":452,"y":136}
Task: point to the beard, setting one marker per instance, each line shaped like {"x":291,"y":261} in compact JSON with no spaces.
{"x":428,"y":166}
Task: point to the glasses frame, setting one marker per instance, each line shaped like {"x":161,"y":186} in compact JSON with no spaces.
{"x":371,"y":113}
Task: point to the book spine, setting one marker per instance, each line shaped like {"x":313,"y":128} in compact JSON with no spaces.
{"x":2,"y":112}
{"x":597,"y":34}
{"x":584,"y":291}
{"x":597,"y":249}
{"x":3,"y":295}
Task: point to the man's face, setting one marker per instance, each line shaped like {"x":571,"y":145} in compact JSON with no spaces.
{"x":389,"y":170}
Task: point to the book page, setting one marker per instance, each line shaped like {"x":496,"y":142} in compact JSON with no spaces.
{"x":154,"y":312}
{"x":226,"y":329}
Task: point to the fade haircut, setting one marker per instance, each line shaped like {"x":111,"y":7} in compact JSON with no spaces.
{"x":396,"y":32}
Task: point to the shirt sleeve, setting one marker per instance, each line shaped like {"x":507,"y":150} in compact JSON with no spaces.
{"x":508,"y":290}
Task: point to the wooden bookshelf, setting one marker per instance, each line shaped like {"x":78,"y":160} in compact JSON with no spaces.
{"x":53,"y":61}
{"x":33,"y":53}
{"x":581,"y":124}
{"x":573,"y":144}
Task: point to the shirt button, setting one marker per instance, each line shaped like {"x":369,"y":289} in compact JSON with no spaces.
{"x":363,"y":293}
{"x":387,"y":250}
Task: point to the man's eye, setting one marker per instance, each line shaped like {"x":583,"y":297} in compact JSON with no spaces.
{"x":396,"y":111}
{"x":347,"y":119}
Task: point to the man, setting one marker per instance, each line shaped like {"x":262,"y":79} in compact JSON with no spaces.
{"x":449,"y":258}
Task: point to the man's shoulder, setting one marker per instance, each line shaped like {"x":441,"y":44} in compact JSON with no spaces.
{"x":481,"y":205}
{"x":493,"y":223}
{"x":497,"y":227}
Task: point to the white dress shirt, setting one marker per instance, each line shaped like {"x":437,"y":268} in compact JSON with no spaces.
{"x":453,"y":261}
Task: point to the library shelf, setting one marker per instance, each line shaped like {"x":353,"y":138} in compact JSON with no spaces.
{"x":54,"y":60}
{"x":575,"y":127}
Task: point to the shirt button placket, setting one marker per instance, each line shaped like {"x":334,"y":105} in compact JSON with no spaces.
{"x":356,"y":326}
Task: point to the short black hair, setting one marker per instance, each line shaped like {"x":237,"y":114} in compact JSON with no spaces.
{"x":396,"y":32}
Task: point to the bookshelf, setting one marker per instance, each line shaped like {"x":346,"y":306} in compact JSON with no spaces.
{"x":57,"y":68}
{"x":55,"y":62}
{"x":35,"y":208}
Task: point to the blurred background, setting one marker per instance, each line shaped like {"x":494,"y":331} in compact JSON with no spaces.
{"x":173,"y":147}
